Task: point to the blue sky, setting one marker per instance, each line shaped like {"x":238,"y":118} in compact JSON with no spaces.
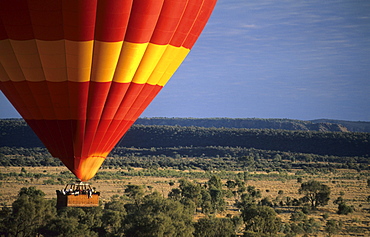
{"x":273,"y":59}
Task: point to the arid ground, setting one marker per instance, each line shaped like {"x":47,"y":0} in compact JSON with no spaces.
{"x":351,"y":185}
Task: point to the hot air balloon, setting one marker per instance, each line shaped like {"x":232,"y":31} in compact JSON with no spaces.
{"x":80,"y":72}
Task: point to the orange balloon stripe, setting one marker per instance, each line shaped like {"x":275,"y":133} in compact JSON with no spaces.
{"x":110,"y":100}
{"x":128,"y":115}
{"x":98,"y":93}
{"x":112,"y":20}
{"x":143,"y":19}
{"x":96,"y":136}
{"x":171,"y":14}
{"x":11,"y":92}
{"x":49,"y":135}
{"x":20,"y":95}
{"x":185,"y":25}
{"x":79,"y":19}
{"x":58,"y":61}
{"x":120,"y":127}
{"x":117,"y":95}
{"x":105,"y":133}
{"x":199,"y":23}
{"x":15,"y":21}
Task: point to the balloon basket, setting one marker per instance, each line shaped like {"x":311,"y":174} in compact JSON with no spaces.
{"x":77,"y":194}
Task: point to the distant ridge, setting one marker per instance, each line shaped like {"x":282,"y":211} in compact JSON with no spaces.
{"x":322,"y":125}
{"x":266,"y":134}
{"x":353,"y":126}
{"x":257,"y":123}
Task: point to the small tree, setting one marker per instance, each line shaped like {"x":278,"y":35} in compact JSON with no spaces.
{"x":74,"y":222}
{"x":215,"y":182}
{"x":315,"y":192}
{"x":190,"y":191}
{"x":332,"y":227}
{"x":305,"y":227}
{"x":261,"y":219}
{"x":157,"y":216}
{"x":255,"y":193}
{"x":113,"y":216}
{"x":135,"y":192}
{"x":344,"y":209}
{"x":206,"y":201}
{"x":175,"y":194}
{"x":230,"y":184}
{"x":217,"y":200}
{"x":29,"y":213}
{"x":298,"y":216}
{"x":214,"y":227}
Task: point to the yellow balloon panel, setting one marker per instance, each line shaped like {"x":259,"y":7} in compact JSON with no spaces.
{"x":165,"y":65}
{"x":79,"y":57}
{"x":53,"y":59}
{"x":152,"y":56}
{"x":3,"y":75}
{"x":85,"y":169}
{"x":105,"y":60}
{"x":176,"y":62}
{"x":27,"y":55}
{"x":129,"y":60}
{"x":9,"y":62}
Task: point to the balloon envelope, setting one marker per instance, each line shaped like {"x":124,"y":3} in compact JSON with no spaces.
{"x":80,"y":72}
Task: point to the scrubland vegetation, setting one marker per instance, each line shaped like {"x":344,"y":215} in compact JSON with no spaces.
{"x":169,"y":202}
{"x":212,"y":187}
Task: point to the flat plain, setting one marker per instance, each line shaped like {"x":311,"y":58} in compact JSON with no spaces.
{"x":351,"y":185}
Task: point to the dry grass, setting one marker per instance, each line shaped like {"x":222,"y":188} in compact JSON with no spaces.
{"x":349,"y":183}
{"x":9,"y":188}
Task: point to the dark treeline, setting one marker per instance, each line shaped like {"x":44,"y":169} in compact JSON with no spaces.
{"x":322,"y":143}
{"x":358,"y":126}
{"x":229,"y":158}
{"x":15,"y":133}
{"x":258,"y":123}
{"x":188,"y":158}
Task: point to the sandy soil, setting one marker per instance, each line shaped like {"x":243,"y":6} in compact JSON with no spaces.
{"x":353,"y":189}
